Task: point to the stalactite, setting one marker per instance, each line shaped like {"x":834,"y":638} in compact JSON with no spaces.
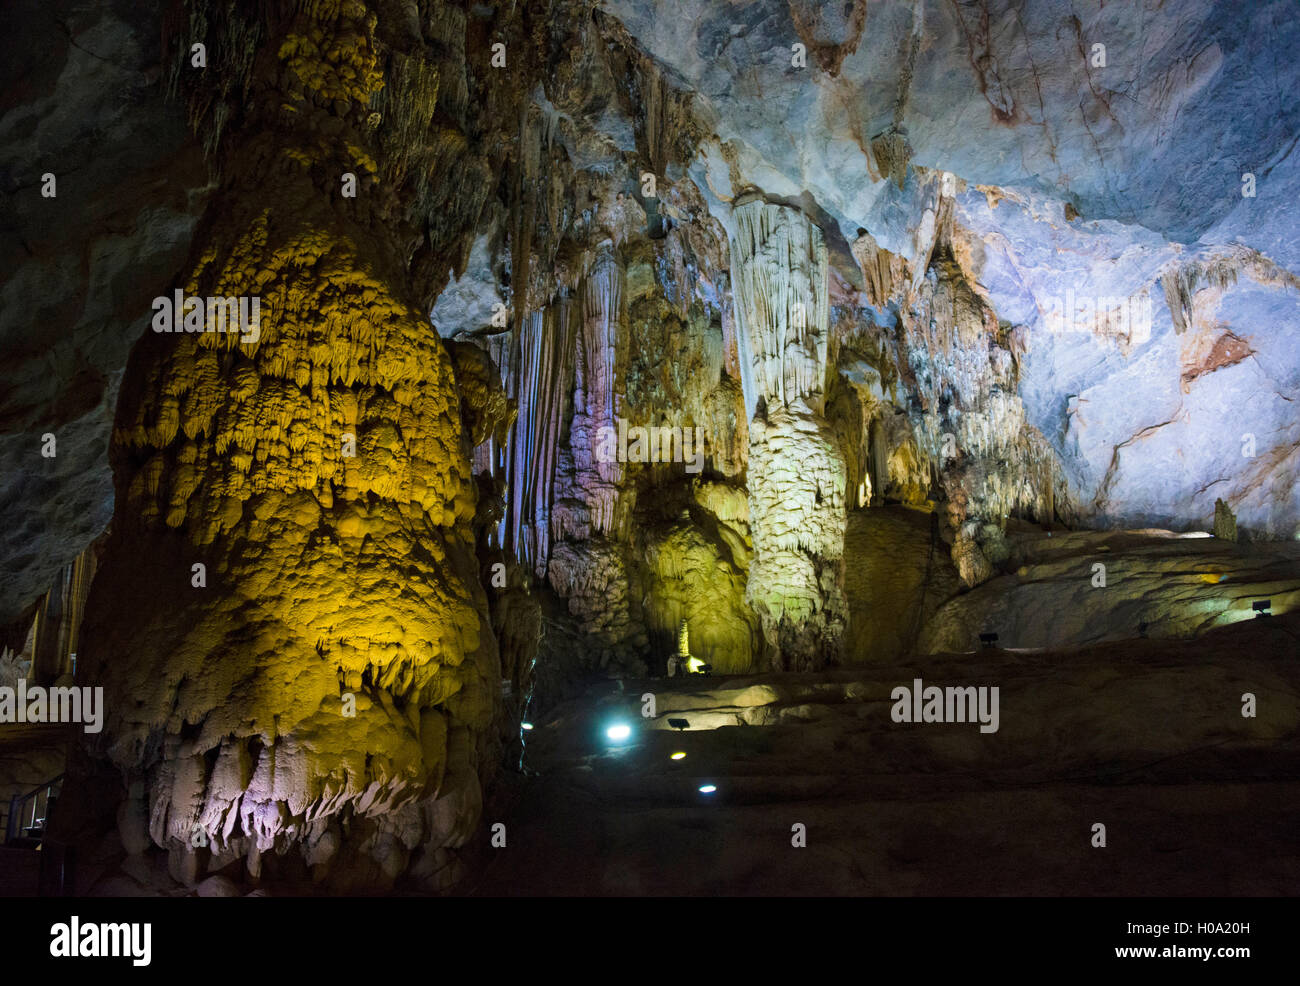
{"x":602,"y":299}
{"x":1217,"y":270}
{"x":590,"y":565}
{"x":594,"y":502}
{"x":970,"y":424}
{"x":883,"y":272}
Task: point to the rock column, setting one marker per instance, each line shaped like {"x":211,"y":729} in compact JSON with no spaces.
{"x":288,"y":621}
{"x":796,"y":472}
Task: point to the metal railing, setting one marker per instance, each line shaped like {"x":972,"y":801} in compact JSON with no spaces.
{"x":28,"y":813}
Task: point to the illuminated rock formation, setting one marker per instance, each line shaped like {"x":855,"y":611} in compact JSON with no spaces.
{"x":1225,"y":524}
{"x":598,"y":397}
{"x":288,"y":621}
{"x":796,"y":470}
{"x":696,"y":571}
{"x":963,"y":368}
{"x":1065,"y":189}
{"x":590,"y":566}
{"x":55,"y":635}
{"x":539,"y":371}
{"x":1087,"y":587}
{"x":919,"y":300}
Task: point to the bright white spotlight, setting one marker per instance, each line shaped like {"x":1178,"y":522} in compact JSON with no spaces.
{"x":525,"y":725}
{"x":707,"y":788}
{"x":678,"y":756}
{"x":619,"y":732}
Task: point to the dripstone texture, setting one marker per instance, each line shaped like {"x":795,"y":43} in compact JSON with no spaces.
{"x":317,"y":469}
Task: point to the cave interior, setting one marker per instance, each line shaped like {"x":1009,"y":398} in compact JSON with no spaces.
{"x":650,"y":447}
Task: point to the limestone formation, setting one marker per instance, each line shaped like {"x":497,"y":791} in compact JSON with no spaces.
{"x":1152,"y":583}
{"x":796,"y":470}
{"x":781,"y":336}
{"x":304,"y":665}
{"x":81,"y":103}
{"x":1225,"y":524}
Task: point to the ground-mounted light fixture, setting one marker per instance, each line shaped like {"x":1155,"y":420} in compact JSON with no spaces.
{"x":679,"y":724}
{"x":1262,"y":607}
{"x":525,"y":725}
{"x":618,"y":732}
{"x":988,"y":640}
{"x":679,"y":755}
{"x":708,"y":788}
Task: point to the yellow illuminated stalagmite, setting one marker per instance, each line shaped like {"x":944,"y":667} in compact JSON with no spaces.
{"x":684,"y":659}
{"x":328,"y":671}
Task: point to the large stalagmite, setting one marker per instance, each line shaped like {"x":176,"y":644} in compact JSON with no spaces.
{"x":288,"y":621}
{"x":796,"y":468}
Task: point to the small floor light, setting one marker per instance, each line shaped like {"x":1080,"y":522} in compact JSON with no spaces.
{"x":1262,"y":607}
{"x":679,"y":724}
{"x":707,"y":788}
{"x":619,"y":732}
{"x":525,"y":725}
{"x":678,"y":756}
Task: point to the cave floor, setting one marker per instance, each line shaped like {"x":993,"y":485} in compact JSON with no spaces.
{"x":1145,"y":737}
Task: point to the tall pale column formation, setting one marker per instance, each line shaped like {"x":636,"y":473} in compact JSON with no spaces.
{"x":590,"y":564}
{"x":796,"y":469}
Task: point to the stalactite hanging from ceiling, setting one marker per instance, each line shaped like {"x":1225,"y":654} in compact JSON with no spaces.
{"x":591,"y":524}
{"x":968,"y":422}
{"x":602,"y":301}
{"x":541,"y":378}
{"x":783,"y":303}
